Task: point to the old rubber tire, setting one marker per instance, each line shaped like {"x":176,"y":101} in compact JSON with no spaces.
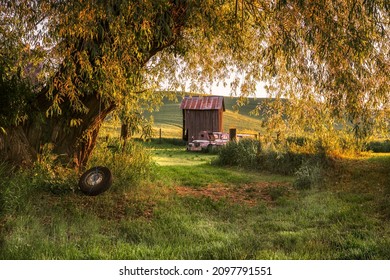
{"x":95,"y":180}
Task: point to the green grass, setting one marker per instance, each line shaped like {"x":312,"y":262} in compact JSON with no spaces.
{"x":199,"y":211}
{"x":168,"y":155}
{"x":206,"y":174}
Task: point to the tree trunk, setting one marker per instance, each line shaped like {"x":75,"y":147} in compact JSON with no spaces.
{"x":21,"y":145}
{"x":15,"y":147}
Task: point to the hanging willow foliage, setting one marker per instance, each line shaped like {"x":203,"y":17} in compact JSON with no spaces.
{"x":328,"y":58}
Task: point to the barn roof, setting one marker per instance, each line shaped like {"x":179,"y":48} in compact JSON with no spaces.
{"x":203,"y":103}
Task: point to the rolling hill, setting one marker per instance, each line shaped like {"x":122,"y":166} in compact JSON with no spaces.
{"x":170,"y":120}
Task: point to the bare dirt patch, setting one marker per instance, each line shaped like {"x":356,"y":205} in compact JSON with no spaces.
{"x":249,"y":194}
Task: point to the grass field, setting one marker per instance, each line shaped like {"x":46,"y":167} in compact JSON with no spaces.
{"x":189,"y":208}
{"x":166,"y":203}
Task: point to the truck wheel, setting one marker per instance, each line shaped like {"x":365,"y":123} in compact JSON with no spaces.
{"x":95,"y":180}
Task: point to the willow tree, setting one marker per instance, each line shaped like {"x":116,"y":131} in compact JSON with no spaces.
{"x":66,"y":64}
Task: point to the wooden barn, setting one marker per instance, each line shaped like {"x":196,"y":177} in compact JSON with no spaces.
{"x":202,"y":113}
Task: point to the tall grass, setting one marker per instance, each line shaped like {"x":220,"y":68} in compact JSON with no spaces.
{"x":308,"y":175}
{"x":243,"y":153}
{"x":284,"y":159}
{"x":296,"y":156}
{"x":131,"y":164}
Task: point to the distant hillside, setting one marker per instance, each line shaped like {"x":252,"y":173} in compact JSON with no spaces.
{"x":169,"y":117}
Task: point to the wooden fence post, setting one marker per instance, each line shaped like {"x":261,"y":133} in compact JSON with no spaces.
{"x":233,"y":134}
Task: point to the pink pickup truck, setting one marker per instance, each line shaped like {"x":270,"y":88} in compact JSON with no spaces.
{"x":208,"y":141}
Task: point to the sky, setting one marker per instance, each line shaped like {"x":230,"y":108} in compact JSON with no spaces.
{"x":225,"y":91}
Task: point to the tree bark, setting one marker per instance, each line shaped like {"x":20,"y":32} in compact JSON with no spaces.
{"x":15,"y":147}
{"x":21,"y":145}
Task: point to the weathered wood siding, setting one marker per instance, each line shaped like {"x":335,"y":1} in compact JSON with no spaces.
{"x":202,"y":113}
{"x":199,"y":120}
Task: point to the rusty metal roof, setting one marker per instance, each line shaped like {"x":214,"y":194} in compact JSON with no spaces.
{"x":203,"y":103}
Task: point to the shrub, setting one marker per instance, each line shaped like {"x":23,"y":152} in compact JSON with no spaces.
{"x":243,"y":153}
{"x":277,"y":162}
{"x":248,"y":153}
{"x":288,"y":162}
{"x":170,"y":141}
{"x":379,"y":146}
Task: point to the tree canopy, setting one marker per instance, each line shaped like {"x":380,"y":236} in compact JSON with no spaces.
{"x":82,"y":59}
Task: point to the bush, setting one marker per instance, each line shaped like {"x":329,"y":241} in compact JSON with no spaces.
{"x":283,"y":163}
{"x":379,"y":146}
{"x":243,"y":153}
{"x":170,"y":141}
{"x":248,"y":153}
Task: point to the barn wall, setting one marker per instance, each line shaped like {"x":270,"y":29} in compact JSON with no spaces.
{"x":199,"y":120}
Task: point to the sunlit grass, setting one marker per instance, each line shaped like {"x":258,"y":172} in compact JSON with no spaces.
{"x":179,"y":156}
